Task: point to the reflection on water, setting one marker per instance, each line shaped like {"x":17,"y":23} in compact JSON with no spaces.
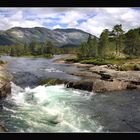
{"x":33,"y":70}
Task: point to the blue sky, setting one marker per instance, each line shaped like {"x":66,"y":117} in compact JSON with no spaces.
{"x":92,"y":20}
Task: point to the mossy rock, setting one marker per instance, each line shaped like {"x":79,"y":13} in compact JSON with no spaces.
{"x":2,"y":62}
{"x":49,"y":82}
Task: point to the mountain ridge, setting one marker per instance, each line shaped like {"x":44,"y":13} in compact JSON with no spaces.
{"x":59,"y":37}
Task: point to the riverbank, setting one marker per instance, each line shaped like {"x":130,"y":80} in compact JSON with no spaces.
{"x":103,"y":78}
{"x":5,"y":79}
{"x":5,"y":87}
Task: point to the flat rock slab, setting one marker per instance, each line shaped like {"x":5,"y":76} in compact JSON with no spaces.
{"x":100,"y":86}
{"x":87,"y":74}
{"x":120,"y":75}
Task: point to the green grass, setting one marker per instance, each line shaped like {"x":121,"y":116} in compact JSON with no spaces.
{"x":124,"y":64}
{"x":130,"y":67}
{"x":73,"y":60}
{"x":97,"y":61}
{"x":94,"y":62}
{"x":48,"y":56}
{"x":51,"y":82}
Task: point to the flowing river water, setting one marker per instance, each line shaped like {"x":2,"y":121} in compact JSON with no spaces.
{"x":35,"y":108}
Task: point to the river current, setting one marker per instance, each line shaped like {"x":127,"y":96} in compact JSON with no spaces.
{"x":40,"y":108}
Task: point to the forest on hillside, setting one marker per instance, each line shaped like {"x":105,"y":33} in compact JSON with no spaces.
{"x":110,"y":45}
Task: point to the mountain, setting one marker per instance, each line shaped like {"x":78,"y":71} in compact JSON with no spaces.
{"x":59,"y":37}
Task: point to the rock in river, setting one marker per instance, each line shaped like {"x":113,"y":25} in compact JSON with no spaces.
{"x":82,"y":85}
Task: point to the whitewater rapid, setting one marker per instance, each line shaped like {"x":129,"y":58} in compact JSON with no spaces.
{"x":48,"y":109}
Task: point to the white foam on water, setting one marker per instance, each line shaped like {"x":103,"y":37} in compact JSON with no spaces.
{"x":50,"y":108}
{"x":51,"y":70}
{"x":7,"y":109}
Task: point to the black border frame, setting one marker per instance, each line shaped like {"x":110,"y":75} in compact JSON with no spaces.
{"x":67,"y":3}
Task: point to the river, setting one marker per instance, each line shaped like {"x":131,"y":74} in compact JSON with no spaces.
{"x":35,"y":108}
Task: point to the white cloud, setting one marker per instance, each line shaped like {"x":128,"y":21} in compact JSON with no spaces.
{"x":94,"y":19}
{"x":17,"y":19}
{"x":57,"y":26}
{"x":108,"y":17}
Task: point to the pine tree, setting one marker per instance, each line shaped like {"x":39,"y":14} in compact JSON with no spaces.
{"x":103,"y":44}
{"x":132,"y":43}
{"x":118,"y":33}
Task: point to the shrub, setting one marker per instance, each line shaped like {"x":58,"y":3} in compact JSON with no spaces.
{"x":74,"y":60}
{"x":136,"y":67}
{"x":127,"y":67}
{"x":48,"y":55}
{"x":2,"y":62}
{"x":94,"y":62}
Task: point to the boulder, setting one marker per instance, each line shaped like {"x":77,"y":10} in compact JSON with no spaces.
{"x":5,"y":89}
{"x":5,"y":85}
{"x":82,"y":85}
{"x":100,"y":86}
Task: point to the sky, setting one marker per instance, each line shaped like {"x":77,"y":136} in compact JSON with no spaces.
{"x":92,"y":20}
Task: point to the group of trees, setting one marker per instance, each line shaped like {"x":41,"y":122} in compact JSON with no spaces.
{"x":33,"y":48}
{"x":37,"y":49}
{"x":112,"y":44}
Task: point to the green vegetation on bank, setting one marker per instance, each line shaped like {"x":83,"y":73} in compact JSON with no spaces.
{"x":34,"y":49}
{"x":122,"y":64}
{"x":51,"y":82}
{"x":113,"y":47}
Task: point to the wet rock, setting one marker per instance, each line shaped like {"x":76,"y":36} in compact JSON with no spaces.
{"x":5,"y":85}
{"x":110,"y":81}
{"x":5,"y":89}
{"x":3,"y":128}
{"x":82,"y":85}
{"x":98,"y":85}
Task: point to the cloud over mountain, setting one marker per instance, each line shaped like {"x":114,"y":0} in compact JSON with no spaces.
{"x":92,"y":20}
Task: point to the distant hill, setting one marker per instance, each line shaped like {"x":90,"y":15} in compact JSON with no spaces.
{"x":59,"y":37}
